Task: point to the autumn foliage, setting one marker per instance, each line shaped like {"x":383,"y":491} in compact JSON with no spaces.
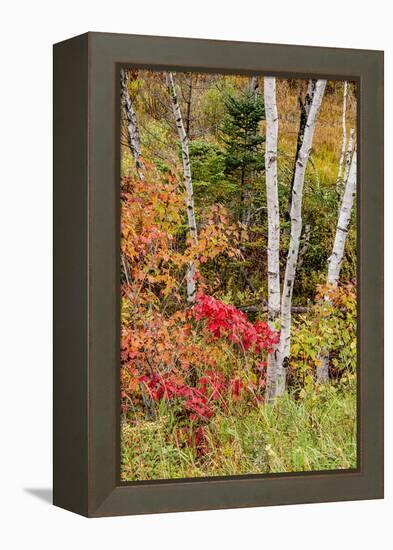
{"x":225,"y":320}
{"x":193,"y":373}
{"x":201,"y":359}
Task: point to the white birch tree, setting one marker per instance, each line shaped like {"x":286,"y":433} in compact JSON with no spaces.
{"x":336,"y":258}
{"x":191,"y":272}
{"x":281,"y":354}
{"x":273,"y":212}
{"x":305,"y":105}
{"x":348,"y":157}
{"x":131,"y":122}
{"x":339,"y":180}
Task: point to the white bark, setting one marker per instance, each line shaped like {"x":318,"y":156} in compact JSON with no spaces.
{"x":344,"y":140}
{"x":283,"y":350}
{"x":132,"y":124}
{"x":305,"y":106}
{"x":191,"y":272}
{"x":348,"y":157}
{"x":273,"y":212}
{"x":336,"y":258}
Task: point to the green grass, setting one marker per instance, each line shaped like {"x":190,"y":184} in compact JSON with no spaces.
{"x":314,"y":433}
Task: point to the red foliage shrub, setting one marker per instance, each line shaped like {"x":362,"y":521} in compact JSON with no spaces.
{"x":160,"y":355}
{"x":223,"y":320}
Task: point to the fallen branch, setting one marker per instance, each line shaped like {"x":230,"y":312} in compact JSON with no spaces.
{"x":265,"y":309}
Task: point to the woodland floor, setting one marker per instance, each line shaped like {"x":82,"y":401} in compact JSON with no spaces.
{"x":294,"y":435}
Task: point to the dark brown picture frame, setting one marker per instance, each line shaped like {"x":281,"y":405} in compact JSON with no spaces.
{"x":86,"y":274}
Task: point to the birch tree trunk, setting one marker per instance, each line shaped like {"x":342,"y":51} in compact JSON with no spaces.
{"x":283,"y":350}
{"x":273,"y":212}
{"x":191,"y":272}
{"x":344,"y":141}
{"x":132,"y":124}
{"x":336,"y":258}
{"x":348,"y":157}
{"x":305,"y":106}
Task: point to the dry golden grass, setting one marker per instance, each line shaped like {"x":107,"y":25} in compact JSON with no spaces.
{"x":160,"y":138}
{"x":327,"y":140}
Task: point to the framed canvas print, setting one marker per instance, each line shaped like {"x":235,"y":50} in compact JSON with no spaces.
{"x":218,"y":274}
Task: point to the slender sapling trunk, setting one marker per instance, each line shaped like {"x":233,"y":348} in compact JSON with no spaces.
{"x":339,"y":181}
{"x":191,"y":272}
{"x":132,"y":123}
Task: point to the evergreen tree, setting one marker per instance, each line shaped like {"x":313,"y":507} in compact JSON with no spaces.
{"x":244,"y":156}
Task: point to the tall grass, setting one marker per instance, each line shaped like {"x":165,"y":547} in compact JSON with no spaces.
{"x":294,"y":435}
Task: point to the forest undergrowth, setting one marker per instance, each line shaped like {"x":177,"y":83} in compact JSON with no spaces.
{"x":210,"y":385}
